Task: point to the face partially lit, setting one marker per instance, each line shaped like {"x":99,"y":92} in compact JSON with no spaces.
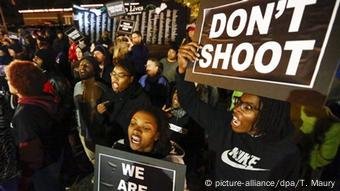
{"x":99,"y":56}
{"x":172,"y":54}
{"x":151,"y":68}
{"x":79,"y":53}
{"x":60,"y":35}
{"x":120,"y":79}
{"x":86,"y":70}
{"x":136,"y":39}
{"x":175,"y":102}
{"x":245,"y":118}
{"x":143,"y":132}
{"x":38,"y":61}
{"x":191,"y":34}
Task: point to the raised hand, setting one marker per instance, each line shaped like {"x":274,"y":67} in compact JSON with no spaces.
{"x":187,"y":52}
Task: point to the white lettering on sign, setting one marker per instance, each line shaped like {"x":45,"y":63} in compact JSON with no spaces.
{"x":133,"y":171}
{"x":295,"y":47}
{"x":131,"y":186}
{"x":238,"y":22}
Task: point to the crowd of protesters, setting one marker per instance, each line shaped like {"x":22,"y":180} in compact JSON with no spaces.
{"x":60,"y":98}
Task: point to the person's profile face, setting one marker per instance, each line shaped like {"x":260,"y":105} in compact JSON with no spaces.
{"x":175,"y":102}
{"x":136,"y":39}
{"x":86,"y":70}
{"x":151,"y":68}
{"x":245,"y":113}
{"x":191,"y":34}
{"x":143,"y":132}
{"x":38,"y":61}
{"x":79,"y":53}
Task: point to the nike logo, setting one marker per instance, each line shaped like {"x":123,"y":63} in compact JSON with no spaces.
{"x":241,"y":160}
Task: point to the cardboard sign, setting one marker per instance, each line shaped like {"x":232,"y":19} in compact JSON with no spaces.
{"x":74,"y":34}
{"x":281,"y":49}
{"x":115,"y":8}
{"x":123,"y":171}
{"x":126,"y":26}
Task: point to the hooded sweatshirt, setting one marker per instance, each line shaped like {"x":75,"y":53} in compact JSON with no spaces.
{"x":236,"y":156}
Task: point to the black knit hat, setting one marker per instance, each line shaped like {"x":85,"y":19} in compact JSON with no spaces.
{"x":174,"y":46}
{"x":101,"y":49}
{"x":128,"y":65}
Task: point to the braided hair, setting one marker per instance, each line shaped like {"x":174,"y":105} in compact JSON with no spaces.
{"x":274,"y":119}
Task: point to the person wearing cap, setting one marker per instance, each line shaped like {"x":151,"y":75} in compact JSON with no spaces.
{"x":170,"y":63}
{"x":87,"y":94}
{"x":126,"y":96}
{"x":102,"y":56}
{"x":190,"y":29}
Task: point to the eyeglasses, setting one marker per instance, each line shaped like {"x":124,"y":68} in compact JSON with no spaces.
{"x":119,"y":75}
{"x":246,"y":107}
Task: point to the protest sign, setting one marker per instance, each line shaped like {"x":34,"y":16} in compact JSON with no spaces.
{"x":123,"y":171}
{"x":115,"y":8}
{"x":126,"y":26}
{"x":93,"y":22}
{"x":282,"y":49}
{"x":74,"y":34}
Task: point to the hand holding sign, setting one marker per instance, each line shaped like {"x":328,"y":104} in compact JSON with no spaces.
{"x":187,"y":52}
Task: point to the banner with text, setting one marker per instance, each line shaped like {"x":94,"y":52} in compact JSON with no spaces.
{"x":282,"y":49}
{"x":123,"y":171}
{"x":93,"y":22}
{"x":159,"y":22}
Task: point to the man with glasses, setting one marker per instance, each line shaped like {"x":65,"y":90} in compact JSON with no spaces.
{"x":118,"y":104}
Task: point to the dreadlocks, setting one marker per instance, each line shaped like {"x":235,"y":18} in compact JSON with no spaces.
{"x":274,"y":119}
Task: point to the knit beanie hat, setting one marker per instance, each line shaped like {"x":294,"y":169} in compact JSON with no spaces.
{"x":128,"y":65}
{"x":101,"y":49}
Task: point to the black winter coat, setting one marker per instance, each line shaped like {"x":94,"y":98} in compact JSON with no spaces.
{"x":120,"y":108}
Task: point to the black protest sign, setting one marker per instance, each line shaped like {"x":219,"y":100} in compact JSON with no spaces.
{"x":123,"y":171}
{"x":115,"y":8}
{"x":159,"y":23}
{"x":93,"y":22}
{"x":74,"y":34}
{"x":281,"y":49}
{"x":126,"y":26}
